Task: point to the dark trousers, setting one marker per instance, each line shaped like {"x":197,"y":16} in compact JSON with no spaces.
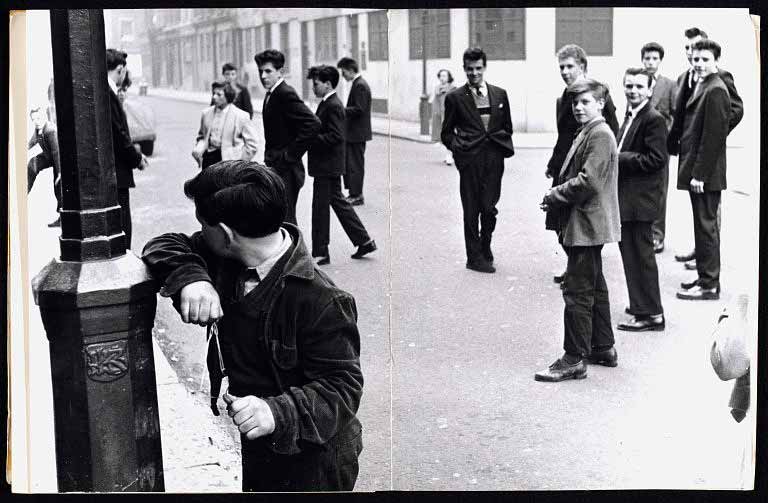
{"x":480,"y":189}
{"x":326,"y":194}
{"x":355,"y":164}
{"x":660,"y":225}
{"x":124,"y":200}
{"x":587,"y":314}
{"x":640,"y":269}
{"x":706,"y":236}
{"x":292,"y":188}
{"x":327,"y":467}
{"x":35,"y":166}
{"x":211,"y":157}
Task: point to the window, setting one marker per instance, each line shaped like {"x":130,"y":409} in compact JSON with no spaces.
{"x":592,"y":29}
{"x":325,"y":39}
{"x":438,"y":33}
{"x":284,"y":47}
{"x":500,"y":32}
{"x":258,"y":40}
{"x":268,"y":36}
{"x":378,"y":38}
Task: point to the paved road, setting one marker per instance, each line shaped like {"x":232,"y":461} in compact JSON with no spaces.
{"x":459,"y":348}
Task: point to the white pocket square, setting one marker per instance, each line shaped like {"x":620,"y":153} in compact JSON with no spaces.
{"x":501,"y":105}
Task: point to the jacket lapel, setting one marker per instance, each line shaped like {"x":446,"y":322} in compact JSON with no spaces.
{"x":629,"y":136}
{"x":577,"y":143}
{"x":492,"y":104}
{"x":699,"y":90}
{"x":469,"y":102}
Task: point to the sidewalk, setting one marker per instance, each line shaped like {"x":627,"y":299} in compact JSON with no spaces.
{"x":199,"y":455}
{"x":380,"y":124}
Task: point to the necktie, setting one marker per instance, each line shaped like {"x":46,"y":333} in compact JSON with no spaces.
{"x":249,"y":279}
{"x":623,"y":128}
{"x":479,"y":92}
{"x":266,"y":99}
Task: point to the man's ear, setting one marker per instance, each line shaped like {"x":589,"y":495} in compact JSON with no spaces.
{"x":229,"y":234}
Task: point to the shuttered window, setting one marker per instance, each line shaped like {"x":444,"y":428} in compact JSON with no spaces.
{"x":325,"y":40}
{"x":590,"y":28}
{"x":499,"y":32}
{"x":378,"y":38}
{"x":438,"y":33}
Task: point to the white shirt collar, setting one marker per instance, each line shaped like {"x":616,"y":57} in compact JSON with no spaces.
{"x":633,"y":111}
{"x":112,"y":85}
{"x":483,"y":88}
{"x":279,"y":81}
{"x":355,"y":77}
{"x":333,"y":91}
{"x":266,"y":266}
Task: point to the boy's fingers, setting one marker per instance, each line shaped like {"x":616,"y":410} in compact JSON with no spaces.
{"x":229,"y":398}
{"x":194,"y":307}
{"x":238,"y":405}
{"x":184,"y":310}
{"x":257,"y":432}
{"x":205,"y":309}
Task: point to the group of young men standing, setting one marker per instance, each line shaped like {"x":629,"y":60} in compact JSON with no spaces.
{"x":334,"y":137}
{"x":609,"y":183}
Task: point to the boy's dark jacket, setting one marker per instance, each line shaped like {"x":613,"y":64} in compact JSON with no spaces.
{"x":305,"y":325}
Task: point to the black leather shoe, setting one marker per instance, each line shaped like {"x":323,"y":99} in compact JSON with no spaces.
{"x":364,"y":249}
{"x":658,"y":246}
{"x":628,"y":311}
{"x":559,"y":278}
{"x":561,"y":370}
{"x":480,"y":265}
{"x":55,"y":223}
{"x":699,"y":293}
{"x":356,"y":200}
{"x":322,"y":260}
{"x":642,"y":324}
{"x":606,"y":358}
{"x":690,"y":265}
{"x":686,"y":256}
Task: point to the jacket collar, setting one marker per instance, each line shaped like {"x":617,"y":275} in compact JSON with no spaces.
{"x":469,"y":102}
{"x":299,"y":264}
{"x":703,"y":85}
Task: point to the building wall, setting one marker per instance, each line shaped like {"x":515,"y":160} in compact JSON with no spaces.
{"x":533,"y":83}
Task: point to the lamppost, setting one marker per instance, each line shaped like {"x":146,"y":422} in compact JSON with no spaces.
{"x":424,"y":114}
{"x":97,"y":301}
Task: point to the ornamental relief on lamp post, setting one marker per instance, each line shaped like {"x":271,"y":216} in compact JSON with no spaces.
{"x":106,"y":361}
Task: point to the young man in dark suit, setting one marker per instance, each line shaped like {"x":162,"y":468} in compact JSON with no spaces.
{"x":48,"y":155}
{"x":127,"y":156}
{"x":326,"y":165}
{"x":572,"y":61}
{"x":686,"y":83}
{"x":477,"y":129}
{"x":289,"y":126}
{"x":663,"y":100}
{"x":586,"y":200}
{"x":242,"y":96}
{"x":358,"y":112}
{"x":643,"y":158}
{"x":702,"y":166}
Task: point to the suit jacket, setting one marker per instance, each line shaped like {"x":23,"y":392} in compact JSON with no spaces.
{"x":49,"y":144}
{"x":663,"y":98}
{"x":463,"y":130}
{"x":642,"y":161}
{"x":586,"y":195}
{"x":702,"y":145}
{"x":238,"y":138}
{"x":127,"y":158}
{"x":567,"y":125}
{"x":289,"y":126}
{"x":735,"y":115}
{"x":243,"y":100}
{"x":358,"y":112}
{"x":326,"y":152}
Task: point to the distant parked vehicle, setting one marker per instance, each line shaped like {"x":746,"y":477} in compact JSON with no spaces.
{"x":141,"y":124}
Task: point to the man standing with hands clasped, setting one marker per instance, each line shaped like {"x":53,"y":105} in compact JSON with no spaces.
{"x":585,"y":198}
{"x":477,"y":129}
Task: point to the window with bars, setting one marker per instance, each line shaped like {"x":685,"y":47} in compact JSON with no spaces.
{"x":325,"y":40}
{"x":378,"y":38}
{"x":284,"y":47}
{"x":438,"y":33}
{"x":499,"y":32}
{"x":590,"y":28}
